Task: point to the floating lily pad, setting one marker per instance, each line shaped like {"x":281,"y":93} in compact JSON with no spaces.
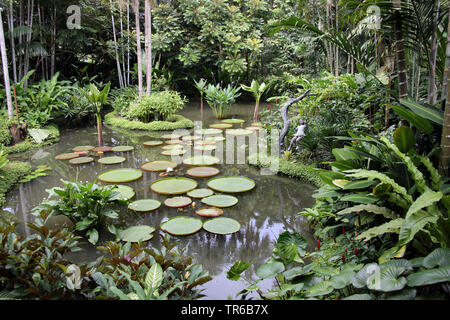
{"x":174,"y":142}
{"x":202,"y":172}
{"x":221,"y":126}
{"x":209,"y":212}
{"x":253,"y":128}
{"x":210,"y":131}
{"x":222,"y":225}
{"x":172,"y":147}
{"x":67,"y":156}
{"x":82,"y":152}
{"x":200,"y":193}
{"x":126,"y":192}
{"x":205,"y":142}
{"x":144,"y":205}
{"x":137,"y":233}
{"x":233,"y":184}
{"x":215,"y":139}
{"x":181,"y":226}
{"x":238,"y":132}
{"x":159,"y":165}
{"x":220,"y":201}
{"x":102,"y":149}
{"x":174,"y":152}
{"x":232,"y":121}
{"x":122,"y":148}
{"x":82,"y":148}
{"x":191,"y":138}
{"x":205,"y":148}
{"x":201,"y":161}
{"x":178,"y":202}
{"x":173,"y":186}
{"x":256,"y":124}
{"x":81,"y":160}
{"x":171,"y":136}
{"x":120,"y":175}
{"x":111,"y":160}
{"x":152,"y":143}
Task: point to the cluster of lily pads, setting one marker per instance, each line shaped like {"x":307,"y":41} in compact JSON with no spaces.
{"x":83,"y":154}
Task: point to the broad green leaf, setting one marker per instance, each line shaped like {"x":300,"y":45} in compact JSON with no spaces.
{"x":389,"y":280}
{"x":359,"y":198}
{"x":388,"y":227}
{"x":414,"y":119}
{"x":430,"y":276}
{"x":415,"y":223}
{"x":358,"y":184}
{"x":370,"y":208}
{"x":430,"y":113}
{"x":154,"y":276}
{"x":119,"y":293}
{"x":425,"y":200}
{"x":438,"y":257}
{"x":93,"y":236}
{"x":404,"y":138}
{"x":294,"y":272}
{"x":269,"y":269}
{"x":406,"y":294}
{"x":320,"y":289}
{"x":343,"y":279}
{"x":360,"y":296}
{"x":236,"y":269}
{"x":342,"y":154}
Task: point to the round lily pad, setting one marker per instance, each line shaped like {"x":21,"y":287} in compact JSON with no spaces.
{"x":137,"y":233}
{"x":178,"y":202}
{"x":82,"y":152}
{"x":233,"y":184}
{"x":205,"y":148}
{"x":210,"y":131}
{"x":172,"y":147}
{"x":220,"y":201}
{"x":67,"y":156}
{"x":174,"y":142}
{"x":191,"y":138}
{"x":152,"y":143}
{"x":209,"y":212}
{"x":81,"y":160}
{"x":232,"y":121}
{"x":174,"y":152}
{"x":221,"y":125}
{"x":144,"y":205}
{"x":173,"y":186}
{"x":181,"y":226}
{"x":120,"y":175}
{"x":202,"y":172}
{"x":238,"y":132}
{"x":159,"y":165}
{"x":215,"y":139}
{"x":171,"y":136}
{"x":82,"y":148}
{"x":102,"y":149}
{"x":111,"y":160}
{"x":222,"y":225}
{"x":122,"y":148}
{"x":126,"y":192}
{"x":201,"y":161}
{"x":200,"y":193}
{"x":205,"y":142}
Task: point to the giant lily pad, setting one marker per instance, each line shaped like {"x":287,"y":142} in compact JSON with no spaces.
{"x":220,"y":201}
{"x":221,"y":125}
{"x":137,"y":234}
{"x":190,"y":138}
{"x":233,"y":184}
{"x":111,"y":160}
{"x":201,"y":161}
{"x":205,"y":148}
{"x":178,"y":202}
{"x":215,"y":138}
{"x":81,"y":160}
{"x":210,"y":131}
{"x":122,"y":148}
{"x":82,"y":148}
{"x":102,"y":149}
{"x":144,"y":205}
{"x":202,"y":172}
{"x":200,"y":193}
{"x":232,"y":121}
{"x":174,"y":152}
{"x":173,"y":186}
{"x":174,"y":142}
{"x":126,"y":192}
{"x":204,"y":142}
{"x":222,"y":225}
{"x":181,"y":226}
{"x":159,"y":165}
{"x":152,"y":143}
{"x":209,"y":212}
{"x":172,"y":147}
{"x":171,"y":136}
{"x":120,"y":175}
{"x":67,"y":156}
{"x":238,"y":132}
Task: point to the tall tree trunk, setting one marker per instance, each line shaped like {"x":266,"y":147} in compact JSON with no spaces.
{"x":336,"y":63}
{"x":444,"y":158}
{"x":138,"y":46}
{"x":122,"y":51}
{"x":53,"y":46}
{"x":432,"y":89}
{"x":148,"y":46}
{"x":116,"y":50}
{"x":29,"y":38}
{"x":13,"y":49}
{"x":128,"y":42}
{"x":400,"y":51}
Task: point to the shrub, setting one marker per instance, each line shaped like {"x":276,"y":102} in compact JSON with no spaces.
{"x":178,"y":122}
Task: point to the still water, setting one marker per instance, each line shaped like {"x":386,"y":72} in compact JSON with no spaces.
{"x":264,"y":212}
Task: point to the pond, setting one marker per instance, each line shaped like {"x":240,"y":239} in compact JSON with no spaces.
{"x":264,"y":212}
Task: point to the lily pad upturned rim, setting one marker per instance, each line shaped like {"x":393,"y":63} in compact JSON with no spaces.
{"x":144,"y":205}
{"x":122,"y":148}
{"x":221,"y":126}
{"x":158,"y":165}
{"x":178,"y":202}
{"x":67,"y":156}
{"x":126,"y":192}
{"x":190,"y":185}
{"x":238,"y":132}
{"x":130,"y":234}
{"x":200,"y":193}
{"x":220,"y":200}
{"x":206,"y":160}
{"x":203,"y":212}
{"x":111,"y":160}
{"x":211,"y":183}
{"x":202,"y":172}
{"x":81,"y":160}
{"x":210,"y":131}
{"x":232,"y":121}
{"x":174,"y":142}
{"x":83,"y":148}
{"x":208,"y":147}
{"x":136,"y":174}
{"x":102,"y":149}
{"x":173,"y":225}
{"x":222,"y":225}
{"x":152,"y":143}
{"x":173,"y":152}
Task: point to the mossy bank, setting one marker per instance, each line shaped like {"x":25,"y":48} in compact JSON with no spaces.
{"x":10,"y":175}
{"x":52,"y":136}
{"x":178,"y":122}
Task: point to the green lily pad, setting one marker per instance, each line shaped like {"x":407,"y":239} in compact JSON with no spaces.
{"x":209,"y":212}
{"x":120,"y":175}
{"x":220,"y":201}
{"x":81,"y":160}
{"x":210,"y":131}
{"x":221,"y":125}
{"x":172,"y":147}
{"x":83,"y":148}
{"x":159,"y":165}
{"x":173,"y":186}
{"x":181,"y":226}
{"x":102,"y":149}
{"x":233,"y":184}
{"x":152,"y":143}
{"x":171,"y":136}
{"x":111,"y":160}
{"x":173,"y":152}
{"x":253,"y":128}
{"x":232,"y":121}
{"x":202,"y":172}
{"x":178,"y":202}
{"x":122,"y":148}
{"x":201,"y":161}
{"x":126,"y":192}
{"x":191,"y":138}
{"x":67,"y":156}
{"x":205,"y":148}
{"x":174,"y":142}
{"x":238,"y":132}
{"x":222,"y":225}
{"x":137,"y":234}
{"x":200,"y":193}
{"x":205,"y":142}
{"x":215,"y":138}
{"x":144,"y":205}
{"x":256,"y":124}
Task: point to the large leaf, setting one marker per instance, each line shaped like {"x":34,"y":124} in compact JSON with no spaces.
{"x":343,"y":279}
{"x":389,"y":227}
{"x":425,"y":200}
{"x":415,"y":223}
{"x":320,"y":289}
{"x":39,"y":135}
{"x":431,"y":276}
{"x":404,"y":138}
{"x":370,"y":208}
{"x":414,"y":119}
{"x":389,"y":280}
{"x":360,"y":296}
{"x":236,"y":269}
{"x":438,"y":257}
{"x":269,"y":269}
{"x":154,"y":276}
{"x":430,"y":113}
{"x":359,"y":198}
{"x":358,"y":184}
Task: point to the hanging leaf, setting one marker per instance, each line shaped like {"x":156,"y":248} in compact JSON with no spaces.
{"x":414,"y":119}
{"x":404,"y":138}
{"x":236,"y":269}
{"x":430,"y":113}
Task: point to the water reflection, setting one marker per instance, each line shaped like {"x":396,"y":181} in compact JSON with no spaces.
{"x":263,"y":213}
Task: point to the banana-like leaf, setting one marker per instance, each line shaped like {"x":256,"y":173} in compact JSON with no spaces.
{"x":388,"y":227}
{"x":414,"y":119}
{"x":370,"y":208}
{"x":358,"y":184}
{"x":359,"y":198}
{"x":430,"y":113}
{"x":425,"y":200}
{"x":415,"y":223}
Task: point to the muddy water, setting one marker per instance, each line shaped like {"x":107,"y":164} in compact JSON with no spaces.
{"x":263,"y":213}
